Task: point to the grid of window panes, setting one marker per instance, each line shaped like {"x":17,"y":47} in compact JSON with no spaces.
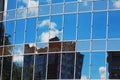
{"x":91,"y":27}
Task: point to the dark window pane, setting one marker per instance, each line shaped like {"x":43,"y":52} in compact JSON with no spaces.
{"x":6,"y":71}
{"x":28,"y":67}
{"x":40,"y":67}
{"x":0,"y":66}
{"x":1,"y":51}
{"x":2,"y":32}
{"x":67,"y":68}
{"x":53,"y":66}
{"x":1,"y":5}
{"x":55,"y":47}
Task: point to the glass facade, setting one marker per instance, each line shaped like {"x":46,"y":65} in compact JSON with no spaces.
{"x":59,"y":39}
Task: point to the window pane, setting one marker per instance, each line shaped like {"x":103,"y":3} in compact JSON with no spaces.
{"x":53,"y":66}
{"x":69,"y":0}
{"x":56,"y":27}
{"x":43,"y":2}
{"x":17,"y":67}
{"x":41,"y":47}
{"x":85,"y":6}
{"x":84,"y":26}
{"x":83,"y":46}
{"x":113,"y":45}
{"x":57,"y":1}
{"x":40,"y":67}
{"x":0,"y":66}
{"x":30,"y":30}
{"x":114,"y":4}
{"x":11,"y":4}
{"x":99,"y":25}
{"x":44,"y":10}
{"x":28,"y":67}
{"x":1,"y":5}
{"x":10,"y":15}
{"x":18,"y":49}
{"x":6,"y":71}
{"x":98,"y":71}
{"x":9,"y":35}
{"x":68,"y":46}
{"x":32,"y":12}
{"x":67,"y":70}
{"x":55,"y":47}
{"x":19,"y":36}
{"x":29,"y":48}
{"x":21,"y":13}
{"x":2,"y":32}
{"x":57,"y":8}
{"x":70,"y":7}
{"x":1,"y":51}
{"x":114,"y":24}
{"x":22,"y":3}
{"x":8,"y":50}
{"x":69,"y":27}
{"x":42,"y":29}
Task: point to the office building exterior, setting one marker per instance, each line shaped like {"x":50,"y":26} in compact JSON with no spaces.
{"x":59,"y":39}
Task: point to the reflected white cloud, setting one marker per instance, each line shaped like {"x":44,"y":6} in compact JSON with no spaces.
{"x":84,"y":1}
{"x":32,"y":45}
{"x":102,"y":71}
{"x":116,"y":4}
{"x":44,"y":37}
{"x":84,"y":78}
{"x":18,"y":58}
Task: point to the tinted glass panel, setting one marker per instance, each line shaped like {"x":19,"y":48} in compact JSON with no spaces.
{"x":70,"y":7}
{"x":29,"y":48}
{"x":44,"y":10}
{"x":21,"y":13}
{"x":2,"y":32}
{"x":113,"y":45}
{"x":8,"y":50}
{"x":41,"y":47}
{"x":55,"y":47}
{"x":57,"y":8}
{"x":18,"y":49}
{"x":11,"y":4}
{"x":10,"y":15}
{"x":83,"y":46}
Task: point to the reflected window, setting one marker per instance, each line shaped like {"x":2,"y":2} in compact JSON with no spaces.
{"x":40,"y":67}
{"x":98,"y":71}
{"x":41,"y":47}
{"x":55,"y":47}
{"x":113,"y":45}
{"x":10,"y":15}
{"x":6,"y":71}
{"x":67,"y":68}
{"x":44,"y":10}
{"x":19,"y":36}
{"x":53,"y":66}
{"x":100,"y":5}
{"x":17,"y":67}
{"x":29,"y":48}
{"x":8,"y":50}
{"x":11,"y":4}
{"x":30,"y":30}
{"x":69,"y":27}
{"x":42,"y":29}
{"x":85,"y":65}
{"x":32,"y":12}
{"x":70,"y":7}
{"x":56,"y":27}
{"x":99,"y":25}
{"x":84,"y":26}
{"x":83,"y":46}
{"x":28,"y":66}
{"x":68,"y":46}
{"x":18,"y":50}
{"x":9,"y":32}
{"x":85,"y":6}
{"x":114,"y":24}
{"x":57,"y":8}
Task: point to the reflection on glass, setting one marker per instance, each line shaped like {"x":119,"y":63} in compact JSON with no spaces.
{"x":41,"y":47}
{"x":70,"y":7}
{"x":10,"y":14}
{"x":22,"y":3}
{"x":43,"y":2}
{"x":32,"y":12}
{"x":69,"y":0}
{"x":113,"y":45}
{"x":114,"y":4}
{"x":55,"y":47}
{"x":21,"y":13}
{"x":28,"y":67}
{"x":44,"y":10}
{"x":98,"y":71}
{"x":99,"y":27}
{"x":69,"y":27}
{"x":84,"y":26}
{"x":6,"y":71}
{"x":100,"y":5}
{"x":83,"y":46}
{"x":19,"y":36}
{"x":79,"y":65}
{"x":0,"y":66}
{"x":9,"y":35}
{"x":1,"y":5}
{"x":17,"y":67}
{"x":29,"y":48}
{"x":56,"y":27}
{"x":2,"y":32}
{"x":30,"y":30}
{"x":85,"y":6}
{"x":69,"y":46}
{"x":18,"y":50}
{"x":1,"y":51}
{"x":53,"y":66}
{"x":57,"y":1}
{"x":11,"y":4}
{"x":98,"y":44}
{"x":40,"y":67}
{"x":42,"y":29}
{"x":67,"y":71}
{"x":113,"y":28}
{"x":57,"y":8}
{"x":8,"y":50}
